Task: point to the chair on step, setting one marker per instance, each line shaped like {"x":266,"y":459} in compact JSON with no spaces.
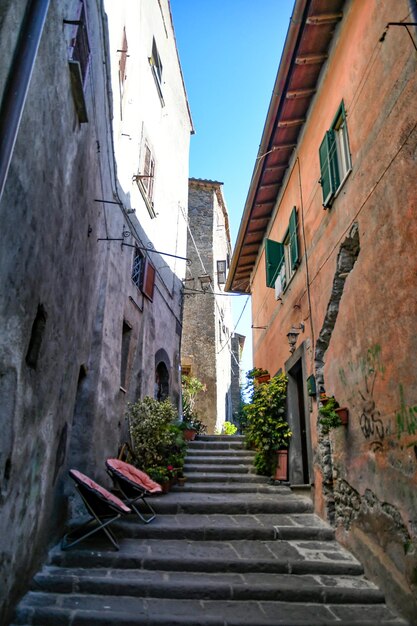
{"x":103,"y":506}
{"x":135,"y":486}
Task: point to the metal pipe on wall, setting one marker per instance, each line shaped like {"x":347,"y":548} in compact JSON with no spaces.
{"x":18,"y":82}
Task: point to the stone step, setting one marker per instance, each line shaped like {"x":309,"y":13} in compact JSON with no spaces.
{"x":223,"y":477}
{"x":218,"y":460}
{"x":225,"y":487}
{"x":208,"y":586}
{"x":183,"y":501}
{"x":218,"y":468}
{"x":222,"y":438}
{"x":295,"y":557}
{"x":87,"y":610}
{"x":226,"y":444}
{"x":224,"y":454}
{"x":225,"y":527}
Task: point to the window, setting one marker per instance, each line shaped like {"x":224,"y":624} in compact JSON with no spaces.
{"x":145,"y":178}
{"x":137,"y":268}
{"x":221,"y":272}
{"x":125,"y":348}
{"x":79,"y":57}
{"x":143,"y":274}
{"x":122,"y":68}
{"x":282,"y":258}
{"x":156,"y":65}
{"x":335,"y":163}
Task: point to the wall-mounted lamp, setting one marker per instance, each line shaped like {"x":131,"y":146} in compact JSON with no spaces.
{"x":205,"y":281}
{"x":293,"y":334}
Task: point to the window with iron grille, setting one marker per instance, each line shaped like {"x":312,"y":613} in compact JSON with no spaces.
{"x":137,"y":268}
{"x":143,"y":274}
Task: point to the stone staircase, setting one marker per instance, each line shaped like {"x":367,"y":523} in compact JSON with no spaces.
{"x":227,"y":549}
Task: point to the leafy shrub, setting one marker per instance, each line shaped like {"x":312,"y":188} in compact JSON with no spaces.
{"x":267,"y":428}
{"x":328,"y":417}
{"x":152,"y":431}
{"x":229,"y":428}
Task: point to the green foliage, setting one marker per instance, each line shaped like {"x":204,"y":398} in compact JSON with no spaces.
{"x":154,"y":435}
{"x":229,"y":428}
{"x":328,"y":417}
{"x":262,"y":464}
{"x":191,"y":389}
{"x":267,"y":428}
{"x":159,"y":474}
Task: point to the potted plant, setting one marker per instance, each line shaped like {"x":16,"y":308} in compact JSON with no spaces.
{"x":192,"y":425}
{"x":331,"y":415}
{"x":267,"y":429}
{"x":160,"y":475}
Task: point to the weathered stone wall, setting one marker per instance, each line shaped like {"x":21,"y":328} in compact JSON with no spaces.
{"x":65,"y":293}
{"x":207,"y":317}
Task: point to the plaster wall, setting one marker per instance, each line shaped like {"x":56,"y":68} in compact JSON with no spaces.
{"x":367,"y":314}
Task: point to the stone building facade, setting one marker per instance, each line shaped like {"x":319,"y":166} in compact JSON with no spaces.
{"x":326,"y":248}
{"x":92,"y":249}
{"x":207,"y":328}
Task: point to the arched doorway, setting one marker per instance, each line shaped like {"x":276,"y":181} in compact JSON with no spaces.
{"x":162,"y":376}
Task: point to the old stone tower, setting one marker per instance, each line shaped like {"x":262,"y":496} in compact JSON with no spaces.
{"x":207,"y":330}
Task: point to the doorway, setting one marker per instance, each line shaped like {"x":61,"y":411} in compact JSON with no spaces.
{"x":300,"y":446}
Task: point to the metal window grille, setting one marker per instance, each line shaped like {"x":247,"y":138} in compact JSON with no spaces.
{"x":137,"y":268}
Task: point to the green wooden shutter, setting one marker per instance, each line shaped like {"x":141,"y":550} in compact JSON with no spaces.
{"x":328,"y":167}
{"x":274,"y":258}
{"x":294,"y":251}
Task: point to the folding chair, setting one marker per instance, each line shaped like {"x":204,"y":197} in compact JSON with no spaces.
{"x":134,"y":485}
{"x":103,"y":506}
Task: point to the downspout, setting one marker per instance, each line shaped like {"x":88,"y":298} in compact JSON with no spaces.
{"x":17,"y":86}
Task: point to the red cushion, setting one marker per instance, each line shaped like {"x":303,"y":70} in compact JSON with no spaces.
{"x":135,"y":475}
{"x":85,"y":480}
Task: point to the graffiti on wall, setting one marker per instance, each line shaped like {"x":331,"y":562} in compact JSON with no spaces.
{"x":374,"y":427}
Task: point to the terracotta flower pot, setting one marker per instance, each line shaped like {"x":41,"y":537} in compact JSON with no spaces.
{"x":181,"y":481}
{"x":189,"y":434}
{"x":343,"y":413}
{"x":281,"y":470}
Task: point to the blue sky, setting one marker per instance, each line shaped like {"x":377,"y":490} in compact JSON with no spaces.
{"x":230,"y":52}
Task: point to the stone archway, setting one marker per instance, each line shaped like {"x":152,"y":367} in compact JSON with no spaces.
{"x":162,"y":375}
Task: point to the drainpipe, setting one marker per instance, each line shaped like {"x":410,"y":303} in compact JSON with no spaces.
{"x":17,"y":86}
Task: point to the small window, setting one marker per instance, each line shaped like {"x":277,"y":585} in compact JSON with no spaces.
{"x":282,"y":258}
{"x":145,"y":178}
{"x":125,"y":349}
{"x":78,"y":59}
{"x":335,"y":162}
{"x":156,"y":65}
{"x":221,"y":272}
{"x":143,"y":274}
{"x":137,"y":268}
{"x":122,"y":68}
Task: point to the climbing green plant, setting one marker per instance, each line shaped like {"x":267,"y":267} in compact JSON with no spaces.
{"x":267,"y":428}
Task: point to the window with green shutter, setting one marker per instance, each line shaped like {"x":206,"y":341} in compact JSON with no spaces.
{"x":334,"y":155}
{"x":282,"y":258}
{"x":274,"y":258}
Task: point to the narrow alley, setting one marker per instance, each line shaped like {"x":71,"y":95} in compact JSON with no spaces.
{"x":227,"y":549}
